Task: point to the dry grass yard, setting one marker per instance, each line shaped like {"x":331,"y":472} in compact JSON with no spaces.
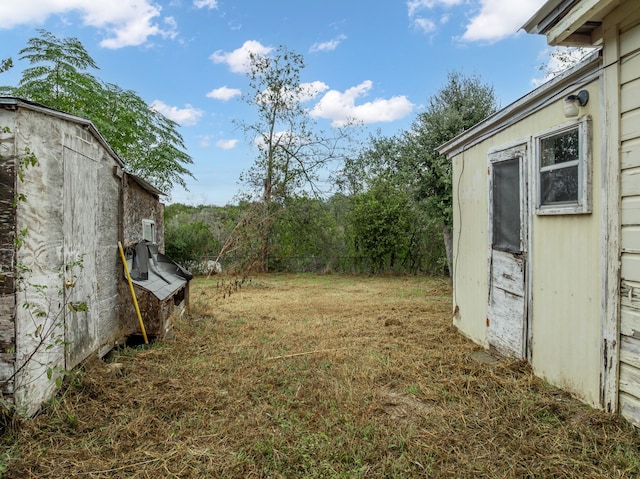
{"x":317,"y":377}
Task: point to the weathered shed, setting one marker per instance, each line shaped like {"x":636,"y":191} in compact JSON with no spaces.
{"x":546,"y":225}
{"x":63,"y":200}
{"x":144,"y":223}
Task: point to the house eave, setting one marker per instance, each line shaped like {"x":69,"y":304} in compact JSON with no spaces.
{"x":562,"y":85}
{"x":571,"y":22}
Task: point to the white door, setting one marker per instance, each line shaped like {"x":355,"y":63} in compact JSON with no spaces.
{"x":80,"y":279}
{"x":507,"y":325}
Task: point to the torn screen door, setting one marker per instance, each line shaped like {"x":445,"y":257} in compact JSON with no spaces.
{"x":507,"y":304}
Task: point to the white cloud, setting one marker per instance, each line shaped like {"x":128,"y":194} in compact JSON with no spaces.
{"x":415,"y":6}
{"x":327,"y":46}
{"x":224,"y":93}
{"x":498,"y":19}
{"x":187,"y":116}
{"x":425,"y":25}
{"x":238,"y":60}
{"x":556,"y":60}
{"x":304,"y":93}
{"x":490,"y":20}
{"x":282,"y":137}
{"x":124,"y":22}
{"x":227,"y":144}
{"x":309,"y":91}
{"x":341,"y":108}
{"x":210,"y":4}
{"x":204,"y":141}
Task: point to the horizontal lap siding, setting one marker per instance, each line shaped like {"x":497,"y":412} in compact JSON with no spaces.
{"x":629,"y":385}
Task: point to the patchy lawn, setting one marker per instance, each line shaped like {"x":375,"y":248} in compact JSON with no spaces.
{"x":320,"y":377}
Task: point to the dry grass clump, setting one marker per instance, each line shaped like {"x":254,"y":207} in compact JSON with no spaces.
{"x":318,"y":376}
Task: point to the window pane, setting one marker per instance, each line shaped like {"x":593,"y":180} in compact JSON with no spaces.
{"x":148,"y":231}
{"x":559,"y":186}
{"x":559,"y":148}
{"x":506,"y":205}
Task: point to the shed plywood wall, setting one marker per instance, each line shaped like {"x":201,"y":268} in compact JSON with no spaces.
{"x":629,"y":383}
{"x":57,"y":142}
{"x":106,"y":257}
{"x":41,"y":254}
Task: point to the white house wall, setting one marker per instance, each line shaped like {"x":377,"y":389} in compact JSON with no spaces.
{"x":565,"y":261}
{"x":622,"y":44}
{"x":470,"y":243}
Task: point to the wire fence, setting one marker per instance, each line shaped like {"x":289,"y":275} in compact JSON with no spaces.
{"x":324,"y":264}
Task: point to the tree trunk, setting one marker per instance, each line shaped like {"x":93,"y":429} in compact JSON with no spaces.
{"x":266,"y":226}
{"x":448,"y":247}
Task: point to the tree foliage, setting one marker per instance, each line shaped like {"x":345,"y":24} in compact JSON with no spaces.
{"x":563,"y":58}
{"x":188,"y":242}
{"x":389,"y":229}
{"x":292,"y":152}
{"x":59,"y":77}
{"x":459,"y":105}
{"x":6,"y":64}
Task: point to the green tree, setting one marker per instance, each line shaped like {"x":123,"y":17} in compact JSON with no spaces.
{"x":189,"y":241}
{"x":308,"y":231}
{"x":381,"y":182}
{"x":58,"y":76}
{"x":6,"y":64}
{"x":381,"y":219}
{"x":459,"y":105}
{"x":291,"y":151}
{"x":148,"y":142}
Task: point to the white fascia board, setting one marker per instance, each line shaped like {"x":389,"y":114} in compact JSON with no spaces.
{"x":583,"y":12}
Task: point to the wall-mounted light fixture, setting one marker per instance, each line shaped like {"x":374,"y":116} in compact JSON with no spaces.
{"x":573,"y":103}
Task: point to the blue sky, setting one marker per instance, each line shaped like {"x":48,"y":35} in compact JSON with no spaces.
{"x":376,"y":61}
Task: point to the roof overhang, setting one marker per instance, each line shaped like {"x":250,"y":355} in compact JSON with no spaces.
{"x":556,"y":89}
{"x":10,"y":102}
{"x":145,"y":185}
{"x":571,"y":22}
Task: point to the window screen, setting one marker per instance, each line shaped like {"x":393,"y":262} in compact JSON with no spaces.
{"x":506,"y":205}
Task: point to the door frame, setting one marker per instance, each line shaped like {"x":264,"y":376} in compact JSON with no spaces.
{"x":521,"y":148}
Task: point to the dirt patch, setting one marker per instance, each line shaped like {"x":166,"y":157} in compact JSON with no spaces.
{"x":317,"y":377}
{"x":402,"y":407}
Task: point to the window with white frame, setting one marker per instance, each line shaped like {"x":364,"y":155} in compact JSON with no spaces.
{"x":149,"y":230}
{"x":563,"y":169}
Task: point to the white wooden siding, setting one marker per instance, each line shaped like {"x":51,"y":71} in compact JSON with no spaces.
{"x":629,"y":382}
